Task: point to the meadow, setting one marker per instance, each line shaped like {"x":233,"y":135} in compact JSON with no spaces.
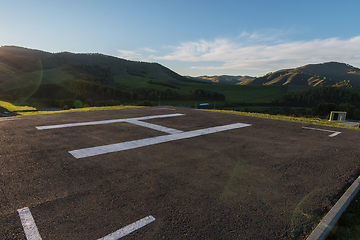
{"x":51,"y":88}
{"x":14,"y":110}
{"x":233,"y":93}
{"x":348,"y":227}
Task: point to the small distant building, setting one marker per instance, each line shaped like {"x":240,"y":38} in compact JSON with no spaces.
{"x":336,"y":115}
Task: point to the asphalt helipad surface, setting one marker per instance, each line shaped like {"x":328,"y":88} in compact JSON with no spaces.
{"x":169,"y":173}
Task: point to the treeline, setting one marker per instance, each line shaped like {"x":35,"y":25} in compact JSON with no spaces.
{"x":82,"y":89}
{"x":154,"y":94}
{"x":73,"y":103}
{"x":185,"y":79}
{"x":314,"y":96}
{"x":324,"y":100}
{"x":324,"y":109}
{"x":95,"y":94}
{"x":91,"y":90}
{"x":200,"y":94}
{"x":89,"y":93}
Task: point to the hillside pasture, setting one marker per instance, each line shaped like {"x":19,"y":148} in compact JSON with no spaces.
{"x":247,"y":93}
{"x":233,"y":93}
{"x":132,"y":81}
{"x":55,"y":76}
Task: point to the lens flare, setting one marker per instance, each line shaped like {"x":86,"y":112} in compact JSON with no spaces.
{"x":5,"y":70}
{"x":240,"y":184}
{"x":309,"y":211}
{"x":22,"y":85}
{"x":78,"y":104}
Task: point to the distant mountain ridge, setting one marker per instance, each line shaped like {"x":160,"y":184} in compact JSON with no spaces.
{"x":223,"y":79}
{"x":103,"y":69}
{"x":323,"y":74}
{"x":333,"y":70}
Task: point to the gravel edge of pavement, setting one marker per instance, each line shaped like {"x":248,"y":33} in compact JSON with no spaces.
{"x":324,"y":228}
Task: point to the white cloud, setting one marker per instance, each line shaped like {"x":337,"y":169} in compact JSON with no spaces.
{"x":135,"y":55}
{"x":266,"y":55}
{"x":131,"y":55}
{"x":148,"y":50}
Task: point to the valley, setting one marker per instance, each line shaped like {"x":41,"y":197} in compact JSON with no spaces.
{"x":55,"y":80}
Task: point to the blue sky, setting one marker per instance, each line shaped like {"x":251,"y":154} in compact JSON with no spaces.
{"x":191,"y":37}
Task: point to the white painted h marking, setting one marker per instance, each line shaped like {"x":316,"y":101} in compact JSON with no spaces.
{"x":93,"y":151}
{"x":32,"y":233}
{"x":28,"y":223}
{"x":174,"y":134}
{"x":335,"y":133}
{"x":107,"y":121}
{"x":129,"y":229}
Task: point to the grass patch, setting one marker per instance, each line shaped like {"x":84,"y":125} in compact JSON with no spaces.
{"x":13,"y":108}
{"x":55,"y":76}
{"x":233,"y":93}
{"x":316,"y":121}
{"x":348,"y":227}
{"x":26,"y":110}
{"x":250,"y":107}
{"x":135,"y":82}
{"x":242,"y":93}
{"x":87,"y":109}
{"x":298,"y":88}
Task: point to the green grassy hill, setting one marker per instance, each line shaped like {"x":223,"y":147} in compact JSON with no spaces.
{"x":45,"y":79}
{"x":27,"y":73}
{"x":222,"y":79}
{"x":19,"y":60}
{"x":290,"y":77}
{"x":32,"y":74}
{"x":324,"y":74}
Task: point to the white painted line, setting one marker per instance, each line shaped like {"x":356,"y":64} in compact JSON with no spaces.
{"x":335,"y":133}
{"x":349,"y":124}
{"x":129,"y":229}
{"x":28,"y":223}
{"x":8,"y":119}
{"x":32,"y":233}
{"x":163,"y":109}
{"x":106,"y":121}
{"x":318,"y":129}
{"x":329,"y":221}
{"x":154,"y":126}
{"x":93,"y":151}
